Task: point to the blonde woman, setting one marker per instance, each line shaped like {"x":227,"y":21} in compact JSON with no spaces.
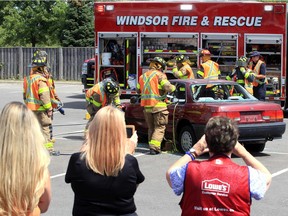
{"x":25,"y":181}
{"x":104,"y":176}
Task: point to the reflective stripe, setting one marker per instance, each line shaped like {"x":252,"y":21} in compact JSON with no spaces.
{"x":32,"y":91}
{"x":228,"y":78}
{"x":163,"y":82}
{"x":155,"y":143}
{"x":42,"y":90}
{"x":211,"y":70}
{"x":97,"y":104}
{"x":47,"y":106}
{"x":201,"y":73}
{"x":49,"y":145}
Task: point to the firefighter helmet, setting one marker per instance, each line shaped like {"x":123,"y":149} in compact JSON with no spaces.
{"x":111,"y":87}
{"x":180,"y":58}
{"x":39,"y":58}
{"x":204,"y":52}
{"x":242,"y":61}
{"x":161,"y":63}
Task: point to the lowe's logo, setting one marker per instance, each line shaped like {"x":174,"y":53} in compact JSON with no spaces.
{"x":215,"y":185}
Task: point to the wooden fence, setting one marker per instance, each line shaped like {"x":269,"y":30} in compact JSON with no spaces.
{"x":65,"y":62}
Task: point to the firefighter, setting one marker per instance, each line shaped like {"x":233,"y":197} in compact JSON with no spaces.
{"x":153,"y":86}
{"x":259,"y":69}
{"x":57,"y":104}
{"x":182,"y":69}
{"x":241,"y":74}
{"x":208,"y":68}
{"x":103,"y":93}
{"x":37,"y":95}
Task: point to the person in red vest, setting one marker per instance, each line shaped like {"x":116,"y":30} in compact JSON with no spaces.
{"x":182,"y":68}
{"x":218,"y":186}
{"x":153,"y":86}
{"x":259,"y":69}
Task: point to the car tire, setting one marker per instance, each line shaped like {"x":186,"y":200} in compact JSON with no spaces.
{"x":255,"y":147}
{"x":186,"y":139}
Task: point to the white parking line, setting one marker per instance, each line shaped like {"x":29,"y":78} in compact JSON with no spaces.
{"x":142,"y":154}
{"x":279,"y":153}
{"x":56,"y":176}
{"x":62,"y":174}
{"x":273,"y":175}
{"x":280,"y":172}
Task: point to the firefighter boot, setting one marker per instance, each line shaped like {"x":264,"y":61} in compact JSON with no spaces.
{"x":50,"y":147}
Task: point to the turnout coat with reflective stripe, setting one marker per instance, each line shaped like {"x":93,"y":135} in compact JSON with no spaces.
{"x":97,"y":89}
{"x":150,"y":87}
{"x":211,"y":70}
{"x":34,"y":86}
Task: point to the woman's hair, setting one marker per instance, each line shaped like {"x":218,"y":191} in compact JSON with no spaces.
{"x":221,"y":134}
{"x":23,"y":160}
{"x":106,"y":142}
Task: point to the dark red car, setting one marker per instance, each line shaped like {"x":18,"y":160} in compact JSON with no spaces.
{"x":195,"y":101}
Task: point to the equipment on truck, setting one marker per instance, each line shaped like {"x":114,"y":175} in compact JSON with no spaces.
{"x":132,"y":39}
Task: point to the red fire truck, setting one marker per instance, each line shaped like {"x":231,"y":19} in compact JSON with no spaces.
{"x":129,"y":34}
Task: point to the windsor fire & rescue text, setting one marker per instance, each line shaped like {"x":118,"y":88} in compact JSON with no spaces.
{"x":189,"y":21}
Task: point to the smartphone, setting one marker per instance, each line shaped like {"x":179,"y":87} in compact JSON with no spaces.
{"x":130,"y":130}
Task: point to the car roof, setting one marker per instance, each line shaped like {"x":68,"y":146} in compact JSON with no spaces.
{"x":202,"y":81}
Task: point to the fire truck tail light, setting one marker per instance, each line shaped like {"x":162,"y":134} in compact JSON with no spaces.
{"x":268,"y":8}
{"x":186,"y":7}
{"x":109,"y":7}
{"x":100,"y":8}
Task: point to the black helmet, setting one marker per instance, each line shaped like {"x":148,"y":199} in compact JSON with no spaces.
{"x":160,"y":61}
{"x":242,"y":61}
{"x":39,"y":58}
{"x":180,"y":58}
{"x":110,"y":86}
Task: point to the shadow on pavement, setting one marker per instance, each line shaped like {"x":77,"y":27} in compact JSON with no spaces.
{"x":75,"y":105}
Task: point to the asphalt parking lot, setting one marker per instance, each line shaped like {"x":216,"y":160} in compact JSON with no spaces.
{"x":153,"y":197}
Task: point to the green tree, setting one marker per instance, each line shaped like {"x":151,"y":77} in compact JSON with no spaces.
{"x":79,"y":26}
{"x":32,"y":22}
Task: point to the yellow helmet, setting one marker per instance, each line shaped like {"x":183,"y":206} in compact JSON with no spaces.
{"x":158,"y":63}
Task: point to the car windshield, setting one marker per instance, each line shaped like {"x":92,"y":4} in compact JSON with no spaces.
{"x":220,"y":92}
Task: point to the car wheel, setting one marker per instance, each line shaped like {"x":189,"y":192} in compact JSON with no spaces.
{"x":186,"y":139}
{"x":255,"y":147}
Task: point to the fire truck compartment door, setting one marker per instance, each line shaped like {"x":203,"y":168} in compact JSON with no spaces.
{"x":219,"y":36}
{"x":263,"y":39}
{"x":117,"y":34}
{"x":168,"y":35}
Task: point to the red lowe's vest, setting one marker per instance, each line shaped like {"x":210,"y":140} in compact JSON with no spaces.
{"x":217,"y":186}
